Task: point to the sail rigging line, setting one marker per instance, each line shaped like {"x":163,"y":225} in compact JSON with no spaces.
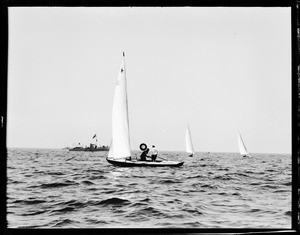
{"x":126,"y":98}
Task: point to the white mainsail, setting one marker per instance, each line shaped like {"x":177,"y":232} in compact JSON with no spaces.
{"x":120,"y":144}
{"x":242,"y":147}
{"x":188,"y":142}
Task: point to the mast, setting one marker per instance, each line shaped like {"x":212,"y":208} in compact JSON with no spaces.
{"x":126,"y":98}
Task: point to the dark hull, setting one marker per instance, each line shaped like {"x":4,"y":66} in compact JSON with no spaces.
{"x":88,"y":150}
{"x":144,"y":163}
{"x":95,"y":150}
{"x":246,"y":155}
{"x":76,"y":149}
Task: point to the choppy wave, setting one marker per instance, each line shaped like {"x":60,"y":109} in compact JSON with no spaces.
{"x":113,"y":201}
{"x":30,"y":202}
{"x":62,"y":189}
{"x":58,"y":184}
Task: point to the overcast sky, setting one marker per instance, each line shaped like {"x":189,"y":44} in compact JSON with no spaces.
{"x":220,"y":70}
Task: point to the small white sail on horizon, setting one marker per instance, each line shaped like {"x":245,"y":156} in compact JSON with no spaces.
{"x":243,"y":150}
{"x":120,"y":143}
{"x":188,"y":142}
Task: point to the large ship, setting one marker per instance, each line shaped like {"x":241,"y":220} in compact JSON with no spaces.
{"x":91,"y":148}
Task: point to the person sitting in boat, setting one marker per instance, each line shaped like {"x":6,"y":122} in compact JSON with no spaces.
{"x":144,"y":155}
{"x":154,"y":153}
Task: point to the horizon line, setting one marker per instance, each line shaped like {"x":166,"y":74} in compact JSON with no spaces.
{"x":61,"y":148}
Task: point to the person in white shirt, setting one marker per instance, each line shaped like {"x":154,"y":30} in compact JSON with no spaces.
{"x":154,"y":153}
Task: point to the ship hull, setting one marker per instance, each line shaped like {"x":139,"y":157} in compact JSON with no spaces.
{"x":88,"y":150}
{"x":129,"y":163}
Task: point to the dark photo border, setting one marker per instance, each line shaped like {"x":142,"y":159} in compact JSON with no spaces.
{"x":295,"y":70}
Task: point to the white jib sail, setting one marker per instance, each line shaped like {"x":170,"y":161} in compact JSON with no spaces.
{"x":242,"y":147}
{"x":188,"y":142}
{"x":120,"y":144}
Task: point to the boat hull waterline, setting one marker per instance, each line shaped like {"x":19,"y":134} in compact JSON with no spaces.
{"x":90,"y":150}
{"x":129,"y":163}
{"x":248,"y":155}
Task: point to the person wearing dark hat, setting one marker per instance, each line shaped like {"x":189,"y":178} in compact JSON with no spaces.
{"x":154,"y":153}
{"x":143,"y":146}
{"x":144,"y":155}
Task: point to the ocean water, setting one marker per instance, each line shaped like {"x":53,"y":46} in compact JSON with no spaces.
{"x":55,"y":188}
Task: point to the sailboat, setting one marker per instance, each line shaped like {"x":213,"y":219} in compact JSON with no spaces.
{"x":242,"y":147}
{"x":119,"y":153}
{"x":188,"y":142}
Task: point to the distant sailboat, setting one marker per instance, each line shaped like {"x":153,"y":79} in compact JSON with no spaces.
{"x":188,"y":142}
{"x":119,"y":152}
{"x":242,"y":147}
